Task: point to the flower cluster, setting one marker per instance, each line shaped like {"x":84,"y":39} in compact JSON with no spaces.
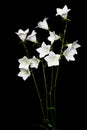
{"x":25,"y":63}
{"x":44,"y":50}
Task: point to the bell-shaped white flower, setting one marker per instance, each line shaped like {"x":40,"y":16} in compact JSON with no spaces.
{"x":52,"y":59}
{"x":69,"y":54}
{"x":24,"y":73}
{"x":32,"y":37}
{"x":53,"y":37}
{"x":63,"y":12}
{"x":24,"y":62}
{"x":22,"y":34}
{"x":34,"y":62}
{"x":43,"y":24}
{"x":71,"y":51}
{"x":43,"y":50}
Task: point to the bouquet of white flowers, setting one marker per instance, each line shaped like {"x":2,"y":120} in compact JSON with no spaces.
{"x":47,"y":57}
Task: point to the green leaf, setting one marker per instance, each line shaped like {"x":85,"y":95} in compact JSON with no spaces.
{"x":51,"y":108}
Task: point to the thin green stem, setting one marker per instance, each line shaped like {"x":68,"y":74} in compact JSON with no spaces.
{"x":45,"y":89}
{"x":26,"y":50}
{"x":55,"y":83}
{"x":50,"y":94}
{"x":63,"y":40}
{"x":38,"y":95}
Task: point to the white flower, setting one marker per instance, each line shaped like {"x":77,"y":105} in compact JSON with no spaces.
{"x":52,"y":59}
{"x":32,"y":37}
{"x":63,"y":12}
{"x":24,"y":62}
{"x":53,"y":37}
{"x":71,"y":51}
{"x":69,"y":54}
{"x":43,"y":50}
{"x":24,"y":73}
{"x":43,"y":24}
{"x":22,"y":34}
{"x":34,"y":62}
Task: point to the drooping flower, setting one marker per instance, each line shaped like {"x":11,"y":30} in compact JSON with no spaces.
{"x":24,"y":62}
{"x":63,"y":12}
{"x":71,"y":51}
{"x":53,"y":37}
{"x":32,"y":37}
{"x":24,"y":73}
{"x":22,"y":34}
{"x":43,"y":24}
{"x":52,"y":59}
{"x":34,"y":62}
{"x":43,"y":50}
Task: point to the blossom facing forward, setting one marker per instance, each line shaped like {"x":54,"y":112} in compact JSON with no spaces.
{"x":71,"y":51}
{"x":43,"y":50}
{"x":63,"y":12}
{"x":32,"y":37}
{"x":24,"y":62}
{"x":43,"y":24}
{"x":34,"y":62}
{"x":24,"y":73}
{"x":22,"y":34}
{"x":53,"y":37}
{"x":52,"y":59}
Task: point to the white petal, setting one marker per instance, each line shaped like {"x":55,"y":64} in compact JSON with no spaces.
{"x":75,"y":44}
{"x":26,"y":31}
{"x":32,"y":36}
{"x":65,"y":9}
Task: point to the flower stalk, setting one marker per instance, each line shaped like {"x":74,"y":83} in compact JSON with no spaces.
{"x":38,"y":96}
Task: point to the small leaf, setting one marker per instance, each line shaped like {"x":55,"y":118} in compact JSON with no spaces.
{"x":51,"y":108}
{"x":49,"y":125}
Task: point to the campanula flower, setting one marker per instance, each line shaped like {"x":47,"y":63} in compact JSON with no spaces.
{"x":43,"y":24}
{"x":63,"y":12}
{"x":34,"y":62}
{"x":22,"y":34}
{"x":43,"y":50}
{"x":24,"y":73}
{"x":24,"y":62}
{"x":52,"y":59}
{"x":53,"y":37}
{"x":71,"y":51}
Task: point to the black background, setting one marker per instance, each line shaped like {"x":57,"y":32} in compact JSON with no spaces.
{"x":19,"y":102}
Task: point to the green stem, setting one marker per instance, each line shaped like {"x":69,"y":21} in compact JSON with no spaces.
{"x":26,"y":50}
{"x":63,"y":40}
{"x":50,"y":94}
{"x":38,"y":95}
{"x":45,"y":89}
{"x":55,"y":83}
